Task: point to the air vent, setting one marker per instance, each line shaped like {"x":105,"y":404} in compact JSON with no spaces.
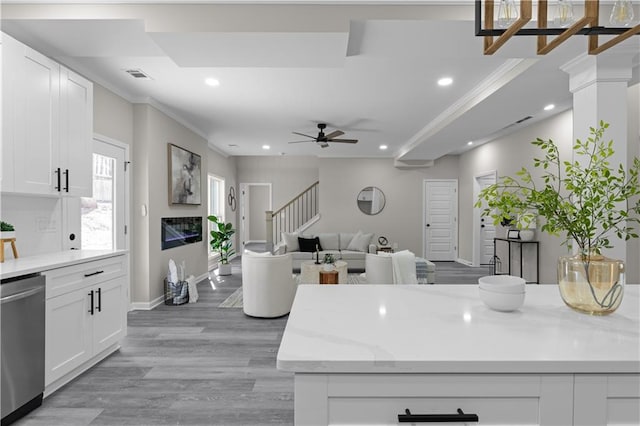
{"x":523,"y":119}
{"x":138,"y":74}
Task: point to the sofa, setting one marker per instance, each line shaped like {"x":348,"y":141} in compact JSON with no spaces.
{"x":349,"y":247}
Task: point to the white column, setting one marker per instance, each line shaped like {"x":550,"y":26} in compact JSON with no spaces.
{"x":599,"y":87}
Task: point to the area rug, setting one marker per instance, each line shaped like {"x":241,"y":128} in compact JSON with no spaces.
{"x":235,"y":299}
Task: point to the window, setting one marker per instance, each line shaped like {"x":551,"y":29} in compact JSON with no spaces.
{"x":98,"y":216}
{"x":216,"y":199}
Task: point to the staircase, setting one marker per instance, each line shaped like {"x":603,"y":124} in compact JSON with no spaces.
{"x":295,"y":216}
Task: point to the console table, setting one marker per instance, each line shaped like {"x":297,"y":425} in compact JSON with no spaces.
{"x":521,"y":244}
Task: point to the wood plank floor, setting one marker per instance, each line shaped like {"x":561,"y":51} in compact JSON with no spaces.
{"x":195,"y":364}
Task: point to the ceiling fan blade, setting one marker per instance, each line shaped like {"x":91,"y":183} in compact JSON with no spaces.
{"x":334,"y":134}
{"x":301,"y":141}
{"x":343,"y":140}
{"x":302,"y":134}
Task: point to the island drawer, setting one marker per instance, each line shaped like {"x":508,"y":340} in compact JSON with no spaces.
{"x":496,"y":399}
{"x":70,"y":278}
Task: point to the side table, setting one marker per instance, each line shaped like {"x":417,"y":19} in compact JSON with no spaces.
{"x":328,"y":277}
{"x":521,"y":244}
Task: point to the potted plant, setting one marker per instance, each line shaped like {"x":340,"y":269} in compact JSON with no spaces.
{"x":329,"y":261}
{"x":587,"y":201}
{"x":7,"y":230}
{"x":221,"y":242}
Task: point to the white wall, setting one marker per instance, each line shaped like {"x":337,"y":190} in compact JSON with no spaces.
{"x":507,"y":155}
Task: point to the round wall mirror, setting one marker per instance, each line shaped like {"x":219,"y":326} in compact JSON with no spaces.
{"x":371,"y":200}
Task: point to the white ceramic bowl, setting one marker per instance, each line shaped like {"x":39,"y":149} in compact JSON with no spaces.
{"x":502,"y":284}
{"x":504,"y":302}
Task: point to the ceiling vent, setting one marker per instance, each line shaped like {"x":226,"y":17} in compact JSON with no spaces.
{"x":138,"y":74}
{"x":522,"y":120}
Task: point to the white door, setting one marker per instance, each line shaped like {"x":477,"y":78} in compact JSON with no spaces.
{"x":103,"y":215}
{"x":441,"y":219}
{"x":487,"y":229}
{"x":484,"y":230}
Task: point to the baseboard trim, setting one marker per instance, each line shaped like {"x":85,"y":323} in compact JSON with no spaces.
{"x":146,"y":306}
{"x":464,"y":261}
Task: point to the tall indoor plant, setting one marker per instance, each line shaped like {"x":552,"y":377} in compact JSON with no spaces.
{"x":221,"y":242}
{"x":587,"y":201}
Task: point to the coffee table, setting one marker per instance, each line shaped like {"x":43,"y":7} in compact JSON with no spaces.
{"x":310,"y":272}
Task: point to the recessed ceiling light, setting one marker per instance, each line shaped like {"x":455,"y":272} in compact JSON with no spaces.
{"x":212,"y":82}
{"x":266,"y":147}
{"x":470,"y":143}
{"x":383,"y":147}
{"x":549,"y":107}
{"x":445,"y":81}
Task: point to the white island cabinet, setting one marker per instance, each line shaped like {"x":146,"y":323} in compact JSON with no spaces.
{"x":366,"y":354}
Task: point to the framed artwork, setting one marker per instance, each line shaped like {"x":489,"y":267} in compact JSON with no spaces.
{"x":513,"y":234}
{"x":184,"y":176}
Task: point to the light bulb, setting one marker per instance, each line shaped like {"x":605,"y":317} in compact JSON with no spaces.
{"x":564,"y":14}
{"x":622,"y":13}
{"x":507,"y":13}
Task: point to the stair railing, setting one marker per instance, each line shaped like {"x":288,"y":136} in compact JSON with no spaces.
{"x":292,"y":216}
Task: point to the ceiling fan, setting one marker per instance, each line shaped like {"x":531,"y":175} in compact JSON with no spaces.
{"x":322,"y":139}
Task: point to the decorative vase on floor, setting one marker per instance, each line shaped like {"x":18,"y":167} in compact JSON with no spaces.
{"x":224,"y":269}
{"x":591,"y":284}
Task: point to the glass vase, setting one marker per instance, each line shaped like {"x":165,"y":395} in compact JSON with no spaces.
{"x":591,"y":284}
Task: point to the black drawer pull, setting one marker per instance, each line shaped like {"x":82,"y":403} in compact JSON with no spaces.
{"x":93,"y":273}
{"x":433,"y":418}
{"x":90,"y":294}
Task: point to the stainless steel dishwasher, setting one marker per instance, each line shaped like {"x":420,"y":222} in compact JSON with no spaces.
{"x":22,"y":345}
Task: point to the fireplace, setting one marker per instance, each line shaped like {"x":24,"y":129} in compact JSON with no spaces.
{"x":180,"y":231}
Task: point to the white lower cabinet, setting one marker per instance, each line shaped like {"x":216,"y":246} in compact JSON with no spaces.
{"x":85,"y":323}
{"x":497,"y":399}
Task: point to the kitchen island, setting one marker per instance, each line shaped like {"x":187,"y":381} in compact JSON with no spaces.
{"x":363,"y":354}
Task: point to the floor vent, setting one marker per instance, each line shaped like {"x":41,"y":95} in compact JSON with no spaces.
{"x":138,"y":74}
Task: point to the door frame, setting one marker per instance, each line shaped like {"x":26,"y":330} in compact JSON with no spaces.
{"x":244,"y":204}
{"x":477,"y":240}
{"x":425,"y":182}
{"x":128,"y":202}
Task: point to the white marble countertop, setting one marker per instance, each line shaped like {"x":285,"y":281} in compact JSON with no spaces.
{"x":44,"y":262}
{"x":448,"y":329}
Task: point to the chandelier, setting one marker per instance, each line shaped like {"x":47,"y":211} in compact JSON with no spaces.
{"x":510,"y":21}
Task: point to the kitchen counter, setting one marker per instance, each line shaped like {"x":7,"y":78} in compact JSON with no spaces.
{"x":447,"y":328}
{"x":43,"y":262}
{"x":365,"y":354}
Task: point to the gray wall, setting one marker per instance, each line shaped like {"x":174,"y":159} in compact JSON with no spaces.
{"x":224,"y":167}
{"x":112,"y":115}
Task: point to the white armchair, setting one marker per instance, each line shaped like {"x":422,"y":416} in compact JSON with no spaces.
{"x":268,"y":287}
{"x":390,"y":268}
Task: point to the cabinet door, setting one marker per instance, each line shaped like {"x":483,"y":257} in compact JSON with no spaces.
{"x":612,"y":400}
{"x":76,"y":134}
{"x":8,"y":57}
{"x":36,"y":122}
{"x":68,"y":333}
{"x":109,"y":321}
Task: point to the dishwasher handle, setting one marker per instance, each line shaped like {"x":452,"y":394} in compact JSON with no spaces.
{"x":22,"y":295}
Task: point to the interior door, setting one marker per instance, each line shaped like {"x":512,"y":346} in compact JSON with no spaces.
{"x":441,"y":219}
{"x":487,"y":229}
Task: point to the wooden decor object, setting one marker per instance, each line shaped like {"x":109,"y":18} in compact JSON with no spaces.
{"x":590,"y":18}
{"x":13,"y":248}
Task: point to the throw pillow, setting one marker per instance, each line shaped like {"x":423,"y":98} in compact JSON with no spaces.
{"x":329,"y":241}
{"x":309,"y":244}
{"x":360,"y":242}
{"x":290,"y":241}
{"x":345,"y":239}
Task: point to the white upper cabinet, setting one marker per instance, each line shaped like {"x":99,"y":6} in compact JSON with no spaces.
{"x":76,"y":131}
{"x":48,"y":115}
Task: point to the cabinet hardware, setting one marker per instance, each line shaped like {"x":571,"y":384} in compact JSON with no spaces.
{"x":99,"y":307}
{"x":93,"y":273}
{"x":57,"y":172}
{"x":66,"y":179}
{"x":434,"y":418}
{"x":91,"y":298}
